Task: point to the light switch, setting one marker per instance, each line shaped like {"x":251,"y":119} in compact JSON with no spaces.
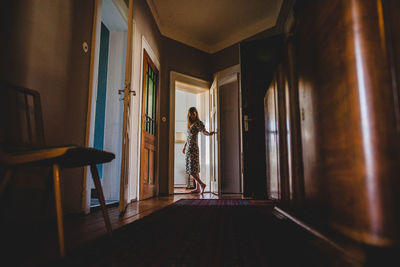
{"x":85,"y":47}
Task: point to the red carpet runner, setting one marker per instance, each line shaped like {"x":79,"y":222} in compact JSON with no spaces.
{"x":200,"y":233}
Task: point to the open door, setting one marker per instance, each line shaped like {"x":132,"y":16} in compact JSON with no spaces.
{"x":229,"y":133}
{"x":123,"y":202}
{"x":214,"y":140}
{"x":148,"y":150}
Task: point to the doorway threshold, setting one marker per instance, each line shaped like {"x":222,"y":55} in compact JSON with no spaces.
{"x":95,"y":204}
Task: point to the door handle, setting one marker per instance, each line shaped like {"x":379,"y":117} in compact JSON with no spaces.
{"x":246,"y":123}
{"x":130,"y":91}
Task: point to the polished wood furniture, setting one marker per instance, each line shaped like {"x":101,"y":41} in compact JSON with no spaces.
{"x":22,"y":143}
{"x":339,"y":73}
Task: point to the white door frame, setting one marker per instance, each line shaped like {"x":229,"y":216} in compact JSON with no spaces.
{"x":215,"y":171}
{"x":92,"y":91}
{"x":146,"y":46}
{"x":173,"y":78}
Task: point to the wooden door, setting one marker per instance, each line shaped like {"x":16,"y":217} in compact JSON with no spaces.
{"x":123,"y":199}
{"x":214,"y":149}
{"x":148,"y":180}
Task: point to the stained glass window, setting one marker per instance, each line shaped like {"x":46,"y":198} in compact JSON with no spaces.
{"x":151,"y":98}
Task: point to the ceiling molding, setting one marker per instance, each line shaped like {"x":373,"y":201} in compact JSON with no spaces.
{"x":186,"y":39}
{"x":285,"y":15}
{"x":153,"y":10}
{"x":243,"y":34}
{"x":283,"y":23}
{"x":268,"y":21}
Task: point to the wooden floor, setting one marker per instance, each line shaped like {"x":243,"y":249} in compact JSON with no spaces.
{"x":92,"y":225}
{"x":41,"y":243}
{"x":182,"y":190}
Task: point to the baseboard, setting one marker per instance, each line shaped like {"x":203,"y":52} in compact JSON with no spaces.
{"x":108,"y":205}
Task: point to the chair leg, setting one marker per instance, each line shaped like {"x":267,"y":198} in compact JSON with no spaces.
{"x":6,"y":179}
{"x":97,"y":183}
{"x":57,"y":191}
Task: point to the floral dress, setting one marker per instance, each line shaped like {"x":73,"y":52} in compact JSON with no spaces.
{"x":192,"y":148}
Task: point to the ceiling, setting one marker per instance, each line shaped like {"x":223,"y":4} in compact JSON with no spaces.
{"x":212,"y":25}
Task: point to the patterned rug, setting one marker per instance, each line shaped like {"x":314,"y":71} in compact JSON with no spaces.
{"x":213,"y":202}
{"x":199,"y":233}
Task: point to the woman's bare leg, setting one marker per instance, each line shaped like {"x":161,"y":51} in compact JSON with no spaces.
{"x":199,"y":183}
{"x":197,"y":188}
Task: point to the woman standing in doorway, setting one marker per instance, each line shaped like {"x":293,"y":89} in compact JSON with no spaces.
{"x":195,"y":125}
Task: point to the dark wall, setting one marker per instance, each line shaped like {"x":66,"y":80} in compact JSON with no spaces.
{"x":391,"y":9}
{"x":346,"y":67}
{"x":42,"y":50}
{"x":258,"y":62}
{"x":186,"y":60}
{"x":225,"y":58}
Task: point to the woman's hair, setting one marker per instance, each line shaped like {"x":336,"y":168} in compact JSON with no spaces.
{"x":190,"y":121}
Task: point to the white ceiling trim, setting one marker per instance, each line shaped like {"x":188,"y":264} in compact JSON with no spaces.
{"x":246,"y":32}
{"x":153,"y":10}
{"x":186,"y":39}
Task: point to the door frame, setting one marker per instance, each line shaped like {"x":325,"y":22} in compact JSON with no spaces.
{"x":92,"y":89}
{"x":215,"y":186}
{"x":173,"y":78}
{"x":150,"y":52}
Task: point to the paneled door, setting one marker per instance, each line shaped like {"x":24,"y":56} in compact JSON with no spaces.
{"x":123,"y":198}
{"x":214,"y":149}
{"x":148,"y":179}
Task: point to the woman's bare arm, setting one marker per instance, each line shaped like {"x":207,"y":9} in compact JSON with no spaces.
{"x":207,"y":133}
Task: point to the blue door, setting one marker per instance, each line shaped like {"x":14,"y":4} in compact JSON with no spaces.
{"x":101,"y":92}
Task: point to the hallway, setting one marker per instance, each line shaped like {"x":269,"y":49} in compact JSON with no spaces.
{"x":315,"y":120}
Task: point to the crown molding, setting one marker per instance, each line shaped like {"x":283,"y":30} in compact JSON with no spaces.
{"x":277,"y":25}
{"x":153,"y":10}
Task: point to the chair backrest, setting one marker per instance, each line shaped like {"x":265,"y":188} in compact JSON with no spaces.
{"x":20,"y":118}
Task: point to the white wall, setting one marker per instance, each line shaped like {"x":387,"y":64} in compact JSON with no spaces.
{"x":204,"y":141}
{"x":135,"y":115}
{"x":114,"y":114}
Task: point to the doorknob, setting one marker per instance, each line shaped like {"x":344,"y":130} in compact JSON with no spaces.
{"x":130,"y":91}
{"x":246,"y":123}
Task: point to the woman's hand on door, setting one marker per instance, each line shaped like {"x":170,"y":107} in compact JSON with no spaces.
{"x":184,"y":148}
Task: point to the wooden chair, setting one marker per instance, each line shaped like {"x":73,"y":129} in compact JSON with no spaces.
{"x":22,"y":143}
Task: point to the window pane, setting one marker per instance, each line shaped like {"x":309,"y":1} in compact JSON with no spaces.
{"x":150,"y":99}
{"x":154,"y":103}
{"x":146,"y":124}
